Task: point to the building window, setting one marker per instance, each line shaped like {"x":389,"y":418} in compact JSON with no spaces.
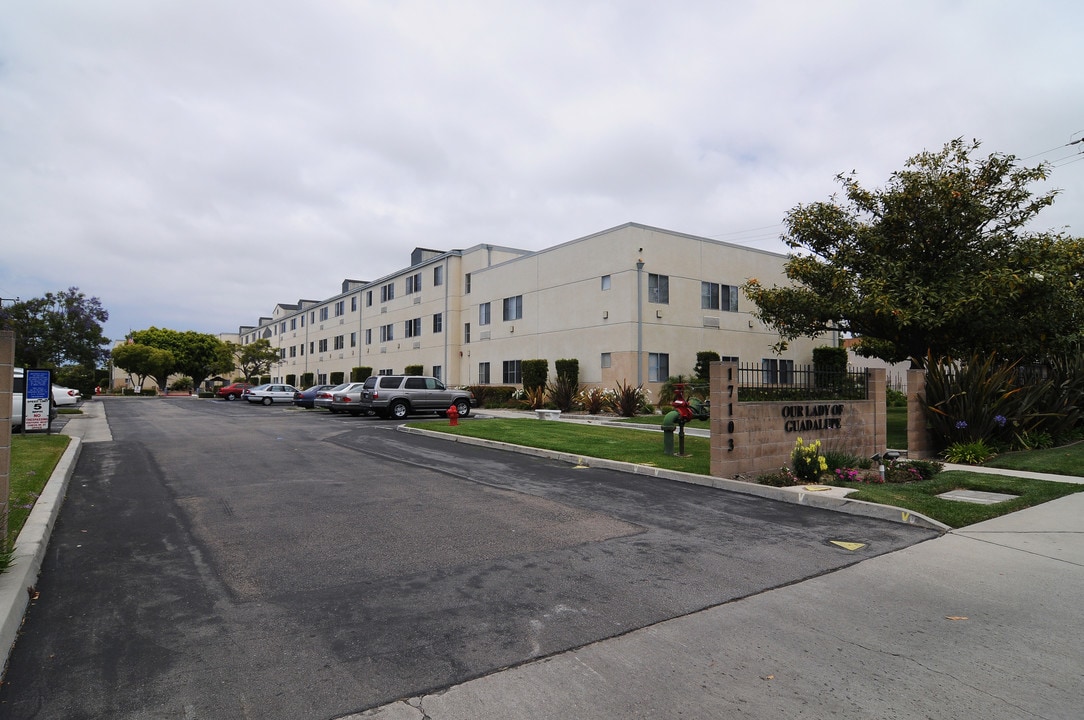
{"x":466,"y":284}
{"x":302,"y":319}
{"x":658,"y":288}
{"x":483,"y":314}
{"x":512,"y":374}
{"x":438,"y":322}
{"x":312,"y":348}
{"x":293,"y":323}
{"x":483,"y":373}
{"x":413,"y":327}
{"x":386,"y":333}
{"x":323,"y":314}
{"x":605,"y":282}
{"x":777,"y":371}
{"x":368,"y":336}
{"x":353,"y":303}
{"x":323,"y":345}
{"x":413,"y":283}
{"x":513,"y":308}
{"x":714,"y":296}
{"x":340,"y":308}
{"x":607,"y":361}
{"x":312,"y":317}
{"x":302,"y":346}
{"x":340,"y":342}
{"x":438,"y":275}
{"x":658,"y":367}
{"x":368,"y":298}
{"x":283,"y":326}
{"x":353,"y":339}
{"x":436,"y":372}
{"x":293,"y":351}
{"x":466,"y":333}
{"x":387,"y":292}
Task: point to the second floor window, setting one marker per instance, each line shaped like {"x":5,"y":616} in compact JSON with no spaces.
{"x":513,"y":308}
{"x":714,"y":296}
{"x":414,"y":327}
{"x":483,"y":314}
{"x":658,"y":288}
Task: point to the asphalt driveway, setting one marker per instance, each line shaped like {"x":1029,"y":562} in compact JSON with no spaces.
{"x":221,"y":560}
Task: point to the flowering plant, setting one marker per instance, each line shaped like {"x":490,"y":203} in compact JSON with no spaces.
{"x":807,"y":460}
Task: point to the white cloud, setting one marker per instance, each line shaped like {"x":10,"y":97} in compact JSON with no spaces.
{"x":193,"y":164}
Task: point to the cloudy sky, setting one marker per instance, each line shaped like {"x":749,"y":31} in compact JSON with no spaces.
{"x":194,"y":163}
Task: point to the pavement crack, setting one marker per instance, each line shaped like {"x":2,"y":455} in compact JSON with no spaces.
{"x":971,"y":536}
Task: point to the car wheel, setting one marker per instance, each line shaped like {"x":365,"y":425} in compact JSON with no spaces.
{"x":399,"y":410}
{"x":462,"y":407}
{"x":267,"y":401}
{"x":230,"y":396}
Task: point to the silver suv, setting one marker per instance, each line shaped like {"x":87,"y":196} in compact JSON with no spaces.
{"x":400,"y":395}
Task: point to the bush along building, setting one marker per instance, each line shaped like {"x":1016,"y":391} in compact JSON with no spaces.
{"x":632,"y":304}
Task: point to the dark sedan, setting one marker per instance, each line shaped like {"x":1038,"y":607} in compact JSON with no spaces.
{"x":304,"y":398}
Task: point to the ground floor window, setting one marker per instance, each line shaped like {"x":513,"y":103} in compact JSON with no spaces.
{"x":436,"y":372}
{"x":777,"y":371}
{"x":512,"y":373}
{"x":483,"y":373}
{"x":658,"y":367}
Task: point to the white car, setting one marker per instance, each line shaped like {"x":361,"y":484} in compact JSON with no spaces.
{"x":65,"y":396}
{"x":270,"y":393}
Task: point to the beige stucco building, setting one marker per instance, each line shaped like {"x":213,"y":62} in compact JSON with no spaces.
{"x":632,"y":304}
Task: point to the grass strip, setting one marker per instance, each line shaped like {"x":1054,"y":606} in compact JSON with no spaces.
{"x":642,"y":447}
{"x":1064,"y":460}
{"x":33,"y":458}
{"x":610,"y":443}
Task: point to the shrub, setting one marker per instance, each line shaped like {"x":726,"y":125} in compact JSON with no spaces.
{"x":781,"y":478}
{"x":149,"y":392}
{"x":856,"y":475}
{"x":414,"y":370}
{"x":568,"y":369}
{"x":291,"y":379}
{"x":264,"y":379}
{"x":563,"y":393}
{"x":535,"y":373}
{"x":975,"y":452}
{"x":182,"y":384}
{"x":535,"y":397}
{"x":628,"y":400}
{"x":335,"y":378}
{"x":829,"y":366}
{"x":926,"y":468}
{"x":360,"y":374}
{"x":702,"y":368}
{"x":306,"y":379}
{"x":895,"y":398}
{"x":492,"y":395}
{"x":807,"y":461}
{"x":595,"y":400}
{"x":835,"y":459}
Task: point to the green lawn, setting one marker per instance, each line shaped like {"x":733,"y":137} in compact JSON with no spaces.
{"x":1065,"y":460}
{"x":896,"y":428}
{"x":642,"y":447}
{"x":33,"y":458}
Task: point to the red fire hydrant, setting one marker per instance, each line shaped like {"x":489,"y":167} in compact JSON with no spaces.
{"x":453,"y":415}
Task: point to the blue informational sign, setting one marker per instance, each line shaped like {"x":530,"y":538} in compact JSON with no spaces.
{"x":37,"y":400}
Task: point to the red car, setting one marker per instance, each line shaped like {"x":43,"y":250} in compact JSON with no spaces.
{"x":233,"y":391}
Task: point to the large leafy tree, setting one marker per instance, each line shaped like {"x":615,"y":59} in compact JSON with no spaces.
{"x":255,"y":358}
{"x":197,"y":355}
{"x":62,"y":328}
{"x":144,"y":361}
{"x":937,"y":262}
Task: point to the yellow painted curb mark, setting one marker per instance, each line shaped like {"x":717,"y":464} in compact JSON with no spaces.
{"x":906,"y":516}
{"x":817,"y":488}
{"x":581,"y":466}
{"x":852,"y":546}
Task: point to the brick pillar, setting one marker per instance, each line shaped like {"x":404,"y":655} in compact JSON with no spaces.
{"x":919,"y":444}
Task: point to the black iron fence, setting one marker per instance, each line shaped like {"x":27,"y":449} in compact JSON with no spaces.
{"x":777,"y":380}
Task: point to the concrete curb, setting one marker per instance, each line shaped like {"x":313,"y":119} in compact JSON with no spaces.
{"x":791,"y":495}
{"x":17,"y":581}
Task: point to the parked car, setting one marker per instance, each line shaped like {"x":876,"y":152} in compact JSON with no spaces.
{"x":345,"y":399}
{"x":233,"y":391}
{"x":65,"y":396}
{"x":400,"y":395}
{"x":324,"y":397}
{"x":270,"y":393}
{"x":306,"y":398}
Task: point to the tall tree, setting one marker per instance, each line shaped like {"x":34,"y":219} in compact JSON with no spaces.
{"x":938,"y":262}
{"x":255,"y":358}
{"x":144,"y":361}
{"x":197,"y":355}
{"x":62,"y":328}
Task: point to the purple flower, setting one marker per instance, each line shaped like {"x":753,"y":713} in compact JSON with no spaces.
{"x":1000,"y":420}
{"x":961,"y":424}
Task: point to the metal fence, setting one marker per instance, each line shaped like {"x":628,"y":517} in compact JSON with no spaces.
{"x":781,"y":380}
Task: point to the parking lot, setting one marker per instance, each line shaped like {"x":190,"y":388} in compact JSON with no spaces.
{"x":234,"y":560}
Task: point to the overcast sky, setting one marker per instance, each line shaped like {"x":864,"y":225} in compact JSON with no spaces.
{"x":194,"y":163}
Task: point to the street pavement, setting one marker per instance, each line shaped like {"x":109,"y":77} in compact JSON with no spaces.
{"x":981,"y":622}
